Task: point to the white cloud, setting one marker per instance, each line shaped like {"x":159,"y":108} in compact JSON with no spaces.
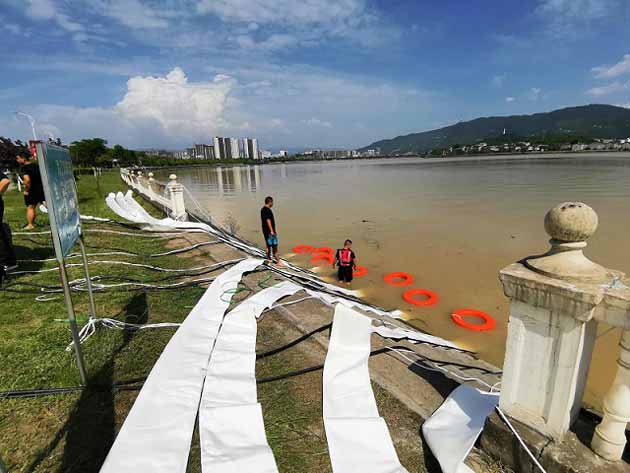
{"x":616,"y":70}
{"x":627,"y":105}
{"x":134,"y":14}
{"x":281,"y":105}
{"x":308,"y":22}
{"x":509,"y":99}
{"x":334,"y":13}
{"x":568,"y":18}
{"x":534,"y":93}
{"x":314,"y":121}
{"x":153,"y":111}
{"x":178,"y":107}
{"x":576,"y":9}
{"x":604,"y":90}
{"x":47,"y":10}
{"x":498,"y":80}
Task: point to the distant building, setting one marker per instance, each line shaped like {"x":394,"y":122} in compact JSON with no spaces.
{"x":203,"y":151}
{"x":234,"y":151}
{"x":264,"y":154}
{"x":250,"y":148}
{"x":283,"y":153}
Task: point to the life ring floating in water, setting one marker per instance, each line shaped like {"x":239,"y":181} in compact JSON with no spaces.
{"x":488,"y":322}
{"x":303,"y":249}
{"x":360,"y":271}
{"x":324,"y":249}
{"x":431,"y":298}
{"x":399,"y":278}
{"x":317,"y":258}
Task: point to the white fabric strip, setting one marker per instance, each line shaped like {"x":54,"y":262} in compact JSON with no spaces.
{"x":157,"y":433}
{"x":231,"y":425}
{"x":358,"y":439}
{"x":398,"y":333}
{"x":452,"y":430}
{"x":330,"y":300}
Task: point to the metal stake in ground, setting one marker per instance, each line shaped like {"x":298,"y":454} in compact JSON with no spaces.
{"x":88,"y":281}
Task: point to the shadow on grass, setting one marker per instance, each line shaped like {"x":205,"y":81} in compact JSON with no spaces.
{"x":90,"y":429}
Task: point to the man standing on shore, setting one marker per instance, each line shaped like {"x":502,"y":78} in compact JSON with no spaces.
{"x":33,"y":189}
{"x":269,"y":230}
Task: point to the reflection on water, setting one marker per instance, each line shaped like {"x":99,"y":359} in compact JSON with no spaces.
{"x":221,"y":181}
{"x":452,"y":224}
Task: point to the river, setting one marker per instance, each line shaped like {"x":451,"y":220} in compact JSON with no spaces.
{"x":451,"y":223}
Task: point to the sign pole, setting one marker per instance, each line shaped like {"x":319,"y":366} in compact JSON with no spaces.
{"x":88,"y":281}
{"x":60,"y":191}
{"x":78,"y":352}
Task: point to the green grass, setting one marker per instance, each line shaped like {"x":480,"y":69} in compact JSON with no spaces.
{"x":35,"y":334}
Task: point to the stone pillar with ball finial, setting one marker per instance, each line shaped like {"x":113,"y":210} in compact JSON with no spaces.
{"x":178,"y":206}
{"x":552,"y":326}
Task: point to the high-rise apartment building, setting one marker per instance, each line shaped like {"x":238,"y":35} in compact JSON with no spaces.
{"x":250,"y":148}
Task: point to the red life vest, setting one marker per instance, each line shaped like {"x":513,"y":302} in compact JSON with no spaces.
{"x":345,"y":257}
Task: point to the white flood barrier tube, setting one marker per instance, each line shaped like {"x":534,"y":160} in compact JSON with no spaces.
{"x":231,"y":428}
{"x":452,"y":430}
{"x":157,"y":432}
{"x":358,"y":438}
{"x":399,"y":333}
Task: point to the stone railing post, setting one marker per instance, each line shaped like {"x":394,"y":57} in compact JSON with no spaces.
{"x":609,"y":440}
{"x":552,"y":325}
{"x":176,"y":191}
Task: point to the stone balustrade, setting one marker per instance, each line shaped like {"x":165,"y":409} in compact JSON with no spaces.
{"x":556,"y":302}
{"x":170,"y":196}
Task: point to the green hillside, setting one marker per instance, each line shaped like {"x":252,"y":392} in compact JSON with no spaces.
{"x":593,"y":121}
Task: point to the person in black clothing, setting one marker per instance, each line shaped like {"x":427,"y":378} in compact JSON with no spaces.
{"x":7,"y":255}
{"x":269,"y":230}
{"x":33,"y":189}
{"x":345,"y":259}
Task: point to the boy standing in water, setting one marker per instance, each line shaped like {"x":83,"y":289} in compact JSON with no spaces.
{"x":269,"y":230}
{"x":345,"y":259}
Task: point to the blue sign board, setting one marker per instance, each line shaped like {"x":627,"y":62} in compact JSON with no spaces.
{"x":60,"y":190}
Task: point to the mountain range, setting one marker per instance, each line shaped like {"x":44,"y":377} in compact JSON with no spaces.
{"x":588,"y":121}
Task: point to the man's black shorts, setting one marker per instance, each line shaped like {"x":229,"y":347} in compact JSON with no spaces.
{"x":345,"y":273}
{"x":33,"y":199}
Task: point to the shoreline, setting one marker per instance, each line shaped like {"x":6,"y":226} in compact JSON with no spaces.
{"x":418,"y":158}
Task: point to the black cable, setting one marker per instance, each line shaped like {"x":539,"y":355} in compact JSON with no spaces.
{"x":292,"y":374}
{"x":128,"y":385}
{"x":293,"y":343}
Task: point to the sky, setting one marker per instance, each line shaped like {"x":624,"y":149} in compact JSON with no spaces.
{"x":300,"y":73}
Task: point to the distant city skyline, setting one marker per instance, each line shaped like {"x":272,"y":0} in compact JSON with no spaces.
{"x":336,"y":74}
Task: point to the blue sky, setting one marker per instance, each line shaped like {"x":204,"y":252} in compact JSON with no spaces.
{"x":327,"y":73}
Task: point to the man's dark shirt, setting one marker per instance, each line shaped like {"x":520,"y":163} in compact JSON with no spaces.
{"x":265,"y":214}
{"x":37,"y":188}
{"x":3,"y":176}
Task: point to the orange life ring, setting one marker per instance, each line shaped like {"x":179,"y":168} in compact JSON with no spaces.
{"x":431,"y":297}
{"x":394,"y":279}
{"x":317,"y":258}
{"x":324,"y":249}
{"x":488,"y":322}
{"x":360,"y":271}
{"x":303,"y":249}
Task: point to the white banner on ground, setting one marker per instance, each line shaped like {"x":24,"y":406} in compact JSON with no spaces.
{"x":452,"y":430}
{"x":157,"y":433}
{"x":231,"y":427}
{"x":358,"y":439}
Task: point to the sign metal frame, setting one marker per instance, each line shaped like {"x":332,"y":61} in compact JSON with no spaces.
{"x":60,"y":245}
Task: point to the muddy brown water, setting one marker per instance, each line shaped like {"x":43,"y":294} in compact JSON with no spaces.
{"x":451,"y":223}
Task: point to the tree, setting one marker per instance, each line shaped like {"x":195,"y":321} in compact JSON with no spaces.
{"x":9,"y":150}
{"x":86,"y":152}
